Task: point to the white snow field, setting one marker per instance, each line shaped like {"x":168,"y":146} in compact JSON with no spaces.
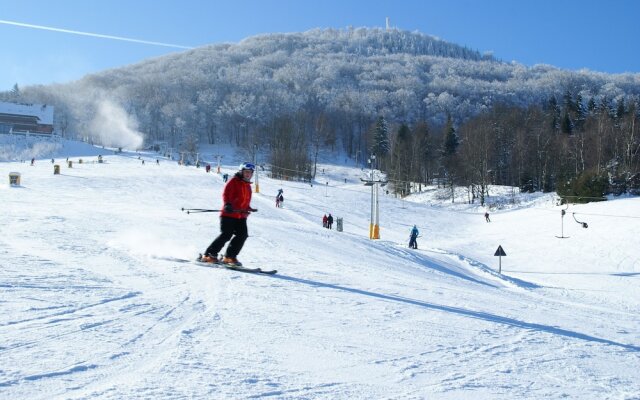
{"x":95,"y":304}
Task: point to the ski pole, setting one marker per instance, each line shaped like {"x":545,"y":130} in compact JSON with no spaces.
{"x":199,"y":211}
{"x":205,"y":210}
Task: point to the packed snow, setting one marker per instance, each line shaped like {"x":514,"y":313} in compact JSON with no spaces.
{"x":98,"y":302}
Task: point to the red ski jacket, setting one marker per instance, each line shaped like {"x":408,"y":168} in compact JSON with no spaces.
{"x":237,"y":192}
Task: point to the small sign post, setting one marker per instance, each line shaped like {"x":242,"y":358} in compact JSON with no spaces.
{"x":500,"y":252}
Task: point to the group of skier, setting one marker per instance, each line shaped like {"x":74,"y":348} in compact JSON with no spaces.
{"x":327,"y":221}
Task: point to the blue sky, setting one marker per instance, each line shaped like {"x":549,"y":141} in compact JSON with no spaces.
{"x":571,"y":34}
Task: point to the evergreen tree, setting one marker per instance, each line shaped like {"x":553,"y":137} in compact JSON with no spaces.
{"x":381,"y":145}
{"x":15,"y":93}
{"x":580,"y":113}
{"x":554,"y":111}
{"x":591,"y":106}
{"x":567,"y":124}
{"x":449,"y":160}
{"x":451,"y":141}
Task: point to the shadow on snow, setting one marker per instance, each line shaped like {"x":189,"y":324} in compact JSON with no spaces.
{"x":464,"y":312}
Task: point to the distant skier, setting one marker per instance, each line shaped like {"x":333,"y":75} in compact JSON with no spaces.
{"x":324,"y":221}
{"x":486,"y":216}
{"x":329,"y":221}
{"x":413,"y":238}
{"x":236,"y":198}
{"x":279,"y":198}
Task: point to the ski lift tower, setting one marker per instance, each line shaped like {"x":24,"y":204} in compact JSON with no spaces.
{"x":218,"y":157}
{"x":374,"y":224}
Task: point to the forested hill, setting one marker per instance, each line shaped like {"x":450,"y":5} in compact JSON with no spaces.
{"x":360,"y":42}
{"x":327,"y":82}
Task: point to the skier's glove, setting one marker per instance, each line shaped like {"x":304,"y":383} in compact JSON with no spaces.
{"x":228,"y":208}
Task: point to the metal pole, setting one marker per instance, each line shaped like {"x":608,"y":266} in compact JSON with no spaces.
{"x":371,"y":231}
{"x":255,"y":162}
{"x":376,"y":228}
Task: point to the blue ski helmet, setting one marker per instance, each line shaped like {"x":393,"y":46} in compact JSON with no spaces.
{"x":247,"y":165}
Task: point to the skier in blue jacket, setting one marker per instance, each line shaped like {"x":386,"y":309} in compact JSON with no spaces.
{"x":413,"y":242}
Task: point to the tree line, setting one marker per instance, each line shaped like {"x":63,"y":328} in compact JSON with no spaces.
{"x":582,"y":150}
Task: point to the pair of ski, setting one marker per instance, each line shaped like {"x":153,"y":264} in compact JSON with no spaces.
{"x":235,"y":267}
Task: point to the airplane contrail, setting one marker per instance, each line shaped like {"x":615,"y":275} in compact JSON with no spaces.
{"x":48,"y":28}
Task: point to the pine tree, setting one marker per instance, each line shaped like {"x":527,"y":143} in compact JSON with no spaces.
{"x":381,"y":144}
{"x":591,"y":105}
{"x":554,"y":110}
{"x":567,"y":124}
{"x":581,"y":113}
{"x":449,"y":149}
{"x":451,"y":141}
{"x":15,"y":93}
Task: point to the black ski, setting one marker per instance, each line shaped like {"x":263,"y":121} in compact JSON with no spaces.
{"x":221,"y":265}
{"x":248,"y":270}
{"x":234,"y":267}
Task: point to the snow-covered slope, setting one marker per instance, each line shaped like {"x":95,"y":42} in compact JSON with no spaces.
{"x":93,"y":306}
{"x":24,"y":148}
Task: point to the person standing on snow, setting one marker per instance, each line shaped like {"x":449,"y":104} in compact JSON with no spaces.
{"x":236,"y":198}
{"x":324,"y":221}
{"x":279,"y":198}
{"x":329,"y":221}
{"x":413,"y":238}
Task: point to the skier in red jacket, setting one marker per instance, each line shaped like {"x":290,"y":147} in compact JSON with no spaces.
{"x":236,"y":198}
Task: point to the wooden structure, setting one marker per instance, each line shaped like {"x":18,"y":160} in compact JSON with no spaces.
{"x":24,"y":118}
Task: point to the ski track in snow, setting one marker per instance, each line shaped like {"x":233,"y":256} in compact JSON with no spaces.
{"x":95,"y":307}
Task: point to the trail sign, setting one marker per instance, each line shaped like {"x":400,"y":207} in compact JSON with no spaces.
{"x":499,"y":253}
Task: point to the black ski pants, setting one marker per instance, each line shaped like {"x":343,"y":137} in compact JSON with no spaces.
{"x":230,"y":228}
